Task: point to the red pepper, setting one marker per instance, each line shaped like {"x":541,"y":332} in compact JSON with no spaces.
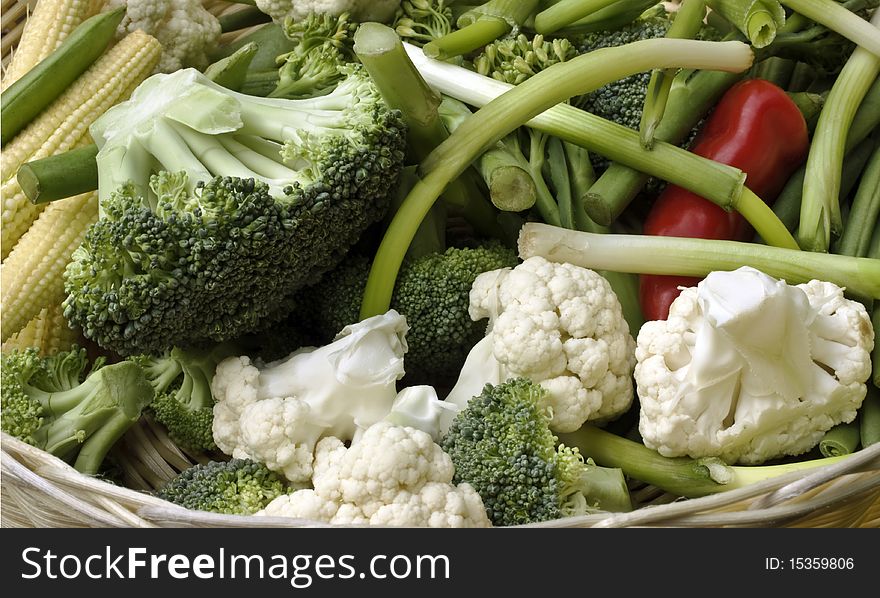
{"x":755,"y":127}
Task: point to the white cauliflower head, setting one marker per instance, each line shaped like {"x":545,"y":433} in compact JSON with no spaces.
{"x":392,"y":475}
{"x":560,"y":326}
{"x":360,"y":10}
{"x":748,"y":368}
{"x":276,"y":413}
{"x":184,"y":28}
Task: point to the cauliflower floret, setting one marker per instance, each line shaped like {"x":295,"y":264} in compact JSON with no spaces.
{"x":277,"y":412}
{"x":184,"y":28}
{"x":360,"y":10}
{"x":392,"y":475}
{"x":748,"y":368}
{"x":562,"y":327}
{"x":282,"y":433}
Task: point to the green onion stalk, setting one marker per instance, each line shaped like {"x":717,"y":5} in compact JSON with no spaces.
{"x":857,"y":148}
{"x":820,"y":218}
{"x":682,"y":476}
{"x":547,"y":90}
{"x":758,"y":20}
{"x":481,"y":25}
{"x":613,"y":16}
{"x":839,"y":19}
{"x":719,"y":183}
{"x":380,"y":50}
{"x":687,"y":24}
{"x":564,"y":13}
{"x":680,"y":256}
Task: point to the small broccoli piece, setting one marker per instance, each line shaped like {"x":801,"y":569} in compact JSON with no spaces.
{"x":56,"y":404}
{"x":324,"y":43}
{"x":621,"y":101}
{"x":422,"y":21}
{"x":209,"y":251}
{"x":236,"y":487}
{"x":431,"y":291}
{"x":502,"y":445}
{"x":184,"y":403}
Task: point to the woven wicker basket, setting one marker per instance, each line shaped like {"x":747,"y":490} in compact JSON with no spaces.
{"x":39,"y":490}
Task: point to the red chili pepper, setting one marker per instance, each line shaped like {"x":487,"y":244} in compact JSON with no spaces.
{"x":755,"y":127}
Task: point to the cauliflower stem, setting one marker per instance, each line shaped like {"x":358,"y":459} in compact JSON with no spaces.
{"x":682,"y":476}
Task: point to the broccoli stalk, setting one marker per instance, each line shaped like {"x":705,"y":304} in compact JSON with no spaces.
{"x":687,"y":24}
{"x":52,"y":404}
{"x":682,"y":476}
{"x":524,"y":102}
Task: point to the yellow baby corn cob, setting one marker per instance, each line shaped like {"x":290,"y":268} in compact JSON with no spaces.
{"x":64,"y":125}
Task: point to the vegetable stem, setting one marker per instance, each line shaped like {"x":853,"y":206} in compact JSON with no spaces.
{"x":481,"y":25}
{"x":869,"y":416}
{"x":518,"y":106}
{"x":863,"y":215}
{"x":566,"y":12}
{"x":758,"y":20}
{"x":682,"y":476}
{"x":787,"y":205}
{"x":379,"y":49}
{"x":840,"y":20}
{"x":820,"y":219}
{"x":680,"y":256}
{"x":60,"y":176}
{"x":687,"y":24}
{"x":842,"y":439}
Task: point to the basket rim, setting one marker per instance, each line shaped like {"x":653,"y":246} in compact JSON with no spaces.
{"x":769,"y":496}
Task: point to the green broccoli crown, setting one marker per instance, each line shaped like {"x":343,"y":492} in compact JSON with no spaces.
{"x":208,"y":256}
{"x":53,"y":404}
{"x":324,"y":43}
{"x":502,"y":445}
{"x":515,"y":59}
{"x":622,"y":101}
{"x":22,"y":407}
{"x":432,"y":292}
{"x":236,"y":487}
{"x":184,"y":403}
{"x":421,"y":21}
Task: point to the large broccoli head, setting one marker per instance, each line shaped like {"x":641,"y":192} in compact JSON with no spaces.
{"x":257,"y":197}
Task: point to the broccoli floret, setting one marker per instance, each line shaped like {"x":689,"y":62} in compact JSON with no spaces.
{"x":502,"y":445}
{"x":528,"y":167}
{"x":422,"y":21}
{"x":57,"y":404}
{"x":236,"y":487}
{"x":431,"y":291}
{"x":215,"y":247}
{"x":324,"y":44}
{"x":621,"y":101}
{"x":184,"y":403}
